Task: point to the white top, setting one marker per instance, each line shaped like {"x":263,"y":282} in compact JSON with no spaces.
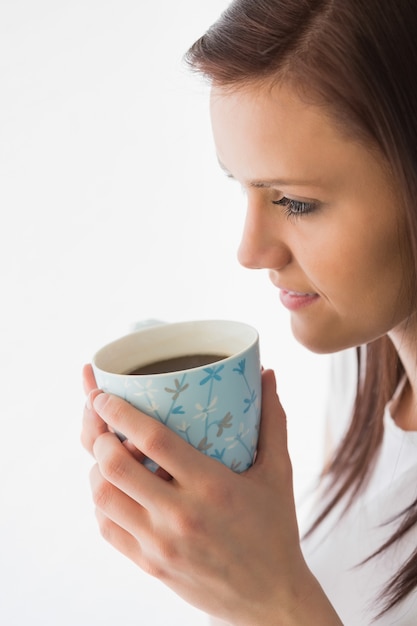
{"x":334,"y":552}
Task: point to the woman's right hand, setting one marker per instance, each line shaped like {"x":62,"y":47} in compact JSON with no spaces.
{"x":227,"y":543}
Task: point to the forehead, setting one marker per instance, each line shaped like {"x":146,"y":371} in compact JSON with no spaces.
{"x":271,"y":132}
{"x":277,"y":107}
{"x":254,"y":127}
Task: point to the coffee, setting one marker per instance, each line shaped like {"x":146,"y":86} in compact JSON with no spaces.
{"x":178,"y":363}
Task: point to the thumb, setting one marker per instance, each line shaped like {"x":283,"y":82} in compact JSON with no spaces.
{"x":272,"y":445}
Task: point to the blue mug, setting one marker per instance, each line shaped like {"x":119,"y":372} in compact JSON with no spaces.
{"x":200,"y":378}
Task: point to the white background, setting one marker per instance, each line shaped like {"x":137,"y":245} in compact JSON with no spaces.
{"x":113,"y":210}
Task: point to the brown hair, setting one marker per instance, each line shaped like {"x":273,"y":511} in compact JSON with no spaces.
{"x":358,"y":58}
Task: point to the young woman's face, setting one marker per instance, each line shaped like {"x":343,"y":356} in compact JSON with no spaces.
{"x":321,"y":216}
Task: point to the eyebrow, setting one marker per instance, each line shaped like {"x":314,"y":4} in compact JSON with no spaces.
{"x":271,"y":182}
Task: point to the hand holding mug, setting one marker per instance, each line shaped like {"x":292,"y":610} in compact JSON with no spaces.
{"x":226,"y":542}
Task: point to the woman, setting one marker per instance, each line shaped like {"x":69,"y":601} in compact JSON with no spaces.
{"x":313,"y":112}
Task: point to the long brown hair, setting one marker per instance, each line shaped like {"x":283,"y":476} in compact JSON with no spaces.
{"x":358,"y":58}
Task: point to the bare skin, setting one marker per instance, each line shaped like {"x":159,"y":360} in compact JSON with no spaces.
{"x":196,"y":531}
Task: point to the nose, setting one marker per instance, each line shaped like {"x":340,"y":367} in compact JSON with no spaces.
{"x":263,"y":241}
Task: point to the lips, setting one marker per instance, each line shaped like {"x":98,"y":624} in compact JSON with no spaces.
{"x":295,"y":300}
{"x":297,"y":294}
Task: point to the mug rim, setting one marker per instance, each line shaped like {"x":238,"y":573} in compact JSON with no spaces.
{"x":109,"y":351}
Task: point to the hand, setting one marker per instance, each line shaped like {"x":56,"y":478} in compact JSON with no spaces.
{"x":94,"y":426}
{"x":227,"y":543}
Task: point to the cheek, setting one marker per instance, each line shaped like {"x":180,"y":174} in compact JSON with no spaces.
{"x":359,"y":260}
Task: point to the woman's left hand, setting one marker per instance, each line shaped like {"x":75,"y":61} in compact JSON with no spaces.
{"x":226,"y":542}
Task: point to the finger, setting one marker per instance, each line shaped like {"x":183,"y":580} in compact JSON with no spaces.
{"x":118,"y":467}
{"x":155,"y":440}
{"x":137,"y":454}
{"x":89,"y":381}
{"x":92,"y":426}
{"x":117,"y":505}
{"x":131,"y":547}
{"x":140,"y":457}
{"x":272,"y":445}
{"x":119,"y":538}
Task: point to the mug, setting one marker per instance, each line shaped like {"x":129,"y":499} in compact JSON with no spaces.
{"x":200,"y":378}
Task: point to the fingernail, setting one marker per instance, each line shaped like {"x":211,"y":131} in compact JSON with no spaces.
{"x":91,"y":397}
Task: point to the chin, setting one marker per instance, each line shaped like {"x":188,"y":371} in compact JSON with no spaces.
{"x":323,"y":342}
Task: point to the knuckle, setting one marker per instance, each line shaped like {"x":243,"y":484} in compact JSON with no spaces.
{"x":190,"y":524}
{"x":106,"y":528}
{"x":151,"y":568}
{"x":102,"y":493}
{"x":168,"y":551}
{"x":156,"y":440}
{"x":113,"y":466}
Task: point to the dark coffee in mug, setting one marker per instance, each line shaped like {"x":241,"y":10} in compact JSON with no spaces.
{"x":178,"y":363}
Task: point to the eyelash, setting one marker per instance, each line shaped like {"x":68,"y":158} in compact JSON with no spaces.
{"x":295,"y":208}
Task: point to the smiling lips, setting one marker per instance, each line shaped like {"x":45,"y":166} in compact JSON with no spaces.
{"x":293,"y":300}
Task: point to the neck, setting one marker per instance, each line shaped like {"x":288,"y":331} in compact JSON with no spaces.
{"x":405,"y":342}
